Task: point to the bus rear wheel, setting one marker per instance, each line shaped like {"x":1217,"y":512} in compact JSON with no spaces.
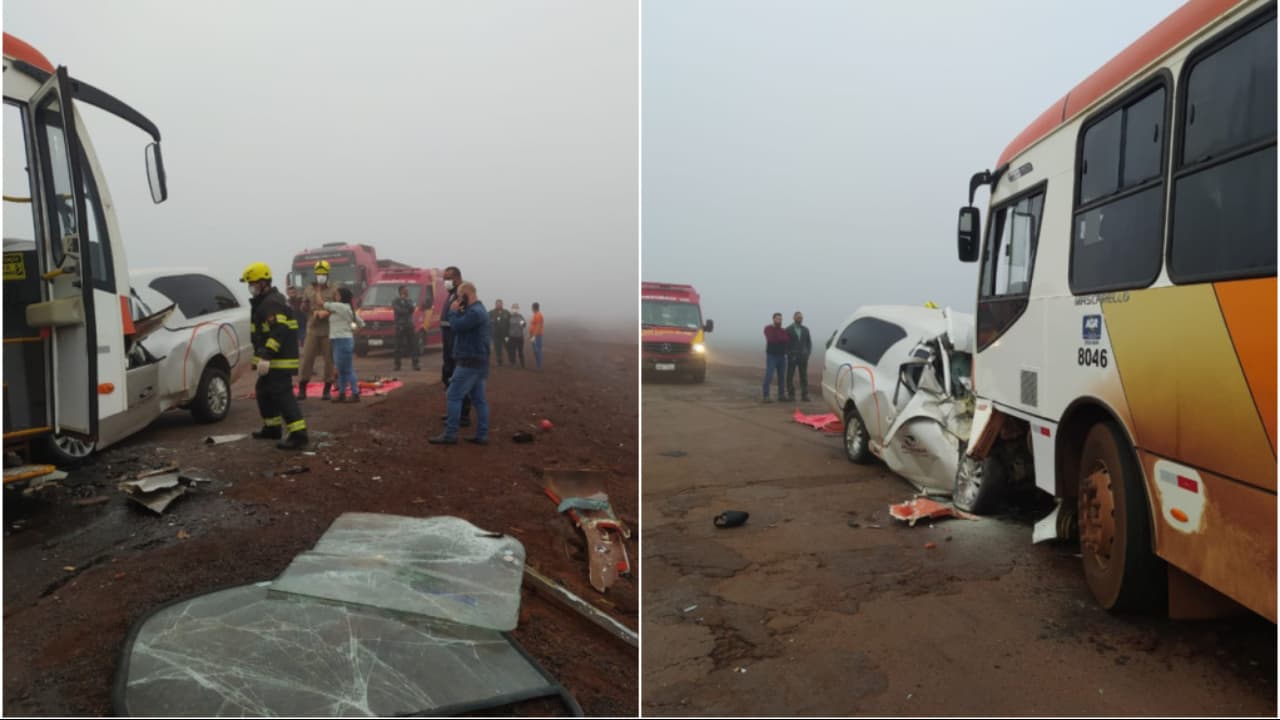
{"x":1120,"y":567}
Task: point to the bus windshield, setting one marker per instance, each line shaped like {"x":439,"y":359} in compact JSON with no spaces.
{"x":382,"y":294}
{"x":670,"y":314}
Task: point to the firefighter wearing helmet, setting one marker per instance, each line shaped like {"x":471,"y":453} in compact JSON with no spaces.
{"x":275,"y":355}
{"x":316,"y":342}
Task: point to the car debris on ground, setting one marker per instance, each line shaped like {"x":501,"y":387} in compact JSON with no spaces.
{"x":580,"y":495}
{"x":826,"y":422}
{"x":922,"y":507}
{"x":221,"y":439}
{"x":556,"y":591}
{"x":421,"y":605}
{"x":157,"y":489}
{"x":731,"y":518}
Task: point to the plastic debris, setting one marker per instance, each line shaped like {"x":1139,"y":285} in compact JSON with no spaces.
{"x":826,"y":422}
{"x":545,"y":425}
{"x":731,"y":518}
{"x":922,"y":507}
{"x":221,"y":439}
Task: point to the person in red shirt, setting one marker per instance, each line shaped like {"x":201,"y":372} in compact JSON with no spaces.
{"x":775,"y":354}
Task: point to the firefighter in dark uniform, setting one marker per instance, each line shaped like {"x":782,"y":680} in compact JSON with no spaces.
{"x":275,"y":355}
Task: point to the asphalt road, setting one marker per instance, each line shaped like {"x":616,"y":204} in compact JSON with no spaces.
{"x":822,"y":604}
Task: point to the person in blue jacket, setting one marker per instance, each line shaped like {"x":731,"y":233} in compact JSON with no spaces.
{"x":471,"y":345}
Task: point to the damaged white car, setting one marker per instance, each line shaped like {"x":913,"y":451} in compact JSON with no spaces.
{"x":899,"y":378}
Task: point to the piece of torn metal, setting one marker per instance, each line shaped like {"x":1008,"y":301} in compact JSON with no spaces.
{"x":922,"y":507}
{"x":26,"y":472}
{"x":605,"y":534}
{"x":826,"y":422}
{"x":441,"y":567}
{"x":249,"y":651}
{"x":221,"y":439}
{"x":598,"y":617}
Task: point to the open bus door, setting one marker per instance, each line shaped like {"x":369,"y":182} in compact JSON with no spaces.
{"x":65,"y":314}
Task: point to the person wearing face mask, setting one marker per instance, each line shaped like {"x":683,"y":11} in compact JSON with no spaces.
{"x":775,"y":354}
{"x":471,"y":348}
{"x":452,"y":280}
{"x":500,"y":322}
{"x":275,"y":356}
{"x":317,"y":342}
{"x":515,"y":336}
{"x":798,"y":348}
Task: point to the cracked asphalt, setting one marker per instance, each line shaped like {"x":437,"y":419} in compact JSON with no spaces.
{"x":821,"y":604}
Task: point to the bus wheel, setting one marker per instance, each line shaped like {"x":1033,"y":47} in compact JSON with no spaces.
{"x":979,"y":483}
{"x":1115,"y":527}
{"x":857,"y":443}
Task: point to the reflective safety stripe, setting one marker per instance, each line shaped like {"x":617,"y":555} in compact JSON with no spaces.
{"x":266,"y":327}
{"x":273,"y":421}
{"x":256,"y":359}
{"x":285,"y":364}
{"x":273,"y":344}
{"x":291,"y":324}
{"x":282,"y":319}
{"x":297,"y":425}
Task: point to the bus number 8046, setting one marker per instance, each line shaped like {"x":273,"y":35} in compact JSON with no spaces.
{"x":1091,"y":357}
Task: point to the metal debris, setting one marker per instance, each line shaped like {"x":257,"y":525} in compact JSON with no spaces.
{"x":221,"y":439}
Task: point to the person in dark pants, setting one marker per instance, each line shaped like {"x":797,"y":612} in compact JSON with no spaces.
{"x":499,"y":321}
{"x":472,"y":335}
{"x":798,"y":349}
{"x":406,"y":340}
{"x":515,"y":336}
{"x":275,"y":355}
{"x":775,"y":354}
{"x":452,"y":279}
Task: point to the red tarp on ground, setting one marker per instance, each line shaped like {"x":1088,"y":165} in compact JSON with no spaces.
{"x":828,"y":423}
{"x":315,"y":389}
{"x":922,"y":507}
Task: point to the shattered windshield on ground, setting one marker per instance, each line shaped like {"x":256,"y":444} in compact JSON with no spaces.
{"x":321,"y":647}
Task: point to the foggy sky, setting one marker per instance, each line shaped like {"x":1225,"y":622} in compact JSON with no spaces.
{"x":499,"y":137}
{"x":812,"y":155}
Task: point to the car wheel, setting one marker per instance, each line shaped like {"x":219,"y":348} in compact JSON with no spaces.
{"x":213,"y":395}
{"x":979,"y":483}
{"x":66,"y":451}
{"x":857,"y":442}
{"x":1115,"y":526}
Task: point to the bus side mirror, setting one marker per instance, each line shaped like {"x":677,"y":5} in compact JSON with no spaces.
{"x":709,"y":326}
{"x":155,"y":174}
{"x":967,"y":234}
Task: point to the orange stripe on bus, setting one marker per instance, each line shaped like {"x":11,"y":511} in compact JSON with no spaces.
{"x":1182,"y":24}
{"x":129,"y":329}
{"x":1249,"y":308}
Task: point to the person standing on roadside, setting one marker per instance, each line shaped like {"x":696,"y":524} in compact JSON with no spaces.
{"x":499,"y":321}
{"x":535,"y":334}
{"x":406,"y":342}
{"x":775,"y":354}
{"x":452,"y":281}
{"x":343,"y":322}
{"x":471,"y":347}
{"x":798,"y":348}
{"x":515,"y":336}
{"x":317,"y":342}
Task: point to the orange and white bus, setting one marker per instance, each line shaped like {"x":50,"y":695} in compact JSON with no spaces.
{"x":1126,"y":316}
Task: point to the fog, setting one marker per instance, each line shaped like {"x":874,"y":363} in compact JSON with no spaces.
{"x":812,"y":155}
{"x":498,"y":137}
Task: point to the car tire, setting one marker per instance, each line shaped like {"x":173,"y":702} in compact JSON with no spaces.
{"x":212,"y":401}
{"x":979,"y":484}
{"x":1116,"y":544}
{"x":857,"y":441}
{"x":65,"y":451}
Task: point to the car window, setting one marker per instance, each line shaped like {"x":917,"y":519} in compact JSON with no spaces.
{"x":868,"y":338}
{"x":195,"y":294}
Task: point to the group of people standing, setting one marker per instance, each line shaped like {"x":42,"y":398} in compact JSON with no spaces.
{"x":508,"y":328}
{"x":787,"y":353}
{"x":328,"y":334}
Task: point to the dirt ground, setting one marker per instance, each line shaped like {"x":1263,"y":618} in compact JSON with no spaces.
{"x":822,"y":604}
{"x":64,"y":629}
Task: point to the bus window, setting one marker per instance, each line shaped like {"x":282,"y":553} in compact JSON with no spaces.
{"x":1117,"y":228}
{"x":19,"y":217}
{"x":1224,"y":193}
{"x":1011,"y":249}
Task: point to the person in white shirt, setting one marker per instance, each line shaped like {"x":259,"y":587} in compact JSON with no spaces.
{"x":342,"y":324}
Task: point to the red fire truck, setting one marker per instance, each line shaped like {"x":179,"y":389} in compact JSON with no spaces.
{"x":426,"y":290}
{"x":351,"y":265}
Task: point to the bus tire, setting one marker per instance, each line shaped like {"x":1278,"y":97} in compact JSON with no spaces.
{"x":212,"y":401}
{"x":979,"y":484}
{"x":857,"y":441}
{"x":1116,"y":543}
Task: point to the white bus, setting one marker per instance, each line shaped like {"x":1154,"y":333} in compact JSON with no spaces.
{"x":67,"y":311}
{"x":1126,"y":316}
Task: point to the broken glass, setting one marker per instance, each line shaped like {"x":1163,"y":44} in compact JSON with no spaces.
{"x":443,"y":567}
{"x":250,"y":651}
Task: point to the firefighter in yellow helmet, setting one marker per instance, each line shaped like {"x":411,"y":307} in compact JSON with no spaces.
{"x":275,"y":355}
{"x":316,"y":342}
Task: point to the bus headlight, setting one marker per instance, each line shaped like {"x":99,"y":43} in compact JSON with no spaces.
{"x":699,"y":348}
